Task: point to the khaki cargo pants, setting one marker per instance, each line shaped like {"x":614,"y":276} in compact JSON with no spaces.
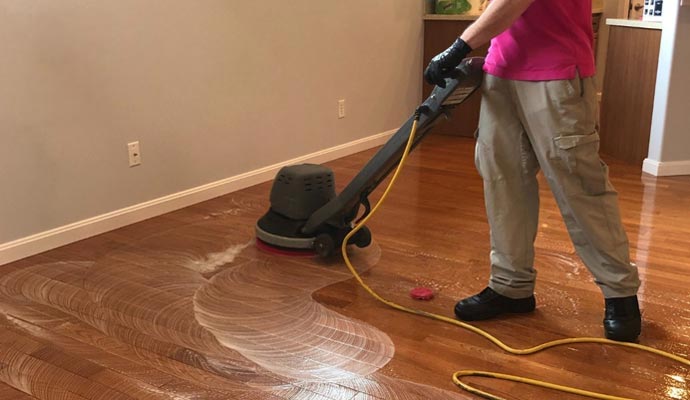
{"x":552,"y":126}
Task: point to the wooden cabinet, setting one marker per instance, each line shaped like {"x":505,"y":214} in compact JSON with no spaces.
{"x":438,"y":35}
{"x":628,"y":93}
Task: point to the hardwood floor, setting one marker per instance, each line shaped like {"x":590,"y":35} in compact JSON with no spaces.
{"x":184,"y":306}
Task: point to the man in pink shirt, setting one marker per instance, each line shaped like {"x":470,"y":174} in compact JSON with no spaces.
{"x":539,"y":111}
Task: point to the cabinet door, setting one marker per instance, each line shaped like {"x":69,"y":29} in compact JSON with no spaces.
{"x":628,"y":93}
{"x":438,"y":35}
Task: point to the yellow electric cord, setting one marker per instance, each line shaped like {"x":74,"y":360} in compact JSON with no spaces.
{"x":459,"y":374}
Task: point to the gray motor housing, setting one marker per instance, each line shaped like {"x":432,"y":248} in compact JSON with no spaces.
{"x":299,"y":190}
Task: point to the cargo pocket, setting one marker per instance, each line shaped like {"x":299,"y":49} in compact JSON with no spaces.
{"x":579,"y":155}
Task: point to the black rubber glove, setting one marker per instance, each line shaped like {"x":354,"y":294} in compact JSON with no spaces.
{"x":444,"y":63}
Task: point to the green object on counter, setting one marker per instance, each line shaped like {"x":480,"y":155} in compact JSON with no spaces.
{"x":453,"y":6}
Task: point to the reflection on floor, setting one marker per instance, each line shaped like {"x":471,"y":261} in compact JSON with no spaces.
{"x":185,"y":306}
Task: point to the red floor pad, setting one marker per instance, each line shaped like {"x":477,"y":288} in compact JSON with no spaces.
{"x":422,"y":293}
{"x":283,"y":251}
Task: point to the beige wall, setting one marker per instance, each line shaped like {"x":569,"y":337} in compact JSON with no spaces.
{"x":210,"y":88}
{"x":677,"y":141}
{"x":670,"y":141}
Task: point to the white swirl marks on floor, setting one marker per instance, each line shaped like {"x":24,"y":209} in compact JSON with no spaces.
{"x":211,"y":262}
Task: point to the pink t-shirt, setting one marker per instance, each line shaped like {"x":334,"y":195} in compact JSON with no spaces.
{"x":551,"y":40}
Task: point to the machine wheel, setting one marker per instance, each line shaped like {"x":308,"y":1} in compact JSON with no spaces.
{"x":324,"y":245}
{"x":362,"y":238}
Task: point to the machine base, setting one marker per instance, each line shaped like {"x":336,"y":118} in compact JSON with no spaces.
{"x":284,"y":234}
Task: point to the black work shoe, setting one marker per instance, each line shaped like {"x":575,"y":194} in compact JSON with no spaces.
{"x":489,"y":304}
{"x":622,"y":320}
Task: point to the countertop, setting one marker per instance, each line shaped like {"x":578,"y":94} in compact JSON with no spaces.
{"x":472,"y":17}
{"x":633,"y":23}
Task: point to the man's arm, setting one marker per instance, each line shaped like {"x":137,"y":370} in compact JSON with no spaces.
{"x":498,"y":16}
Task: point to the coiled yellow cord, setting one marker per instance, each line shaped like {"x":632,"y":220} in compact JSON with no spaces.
{"x":459,"y":374}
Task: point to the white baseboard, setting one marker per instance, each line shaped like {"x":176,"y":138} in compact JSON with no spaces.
{"x":54,"y":238}
{"x":666,"y":168}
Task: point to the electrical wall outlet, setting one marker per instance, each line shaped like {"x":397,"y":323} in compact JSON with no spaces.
{"x":134,"y":154}
{"x":341,"y":108}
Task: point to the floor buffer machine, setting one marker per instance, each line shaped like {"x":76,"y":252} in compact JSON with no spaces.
{"x":306,"y":214}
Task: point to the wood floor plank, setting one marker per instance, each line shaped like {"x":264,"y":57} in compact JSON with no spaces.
{"x":9,"y":393}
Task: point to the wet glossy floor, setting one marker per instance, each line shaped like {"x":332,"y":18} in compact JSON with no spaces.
{"x":184,"y":306}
